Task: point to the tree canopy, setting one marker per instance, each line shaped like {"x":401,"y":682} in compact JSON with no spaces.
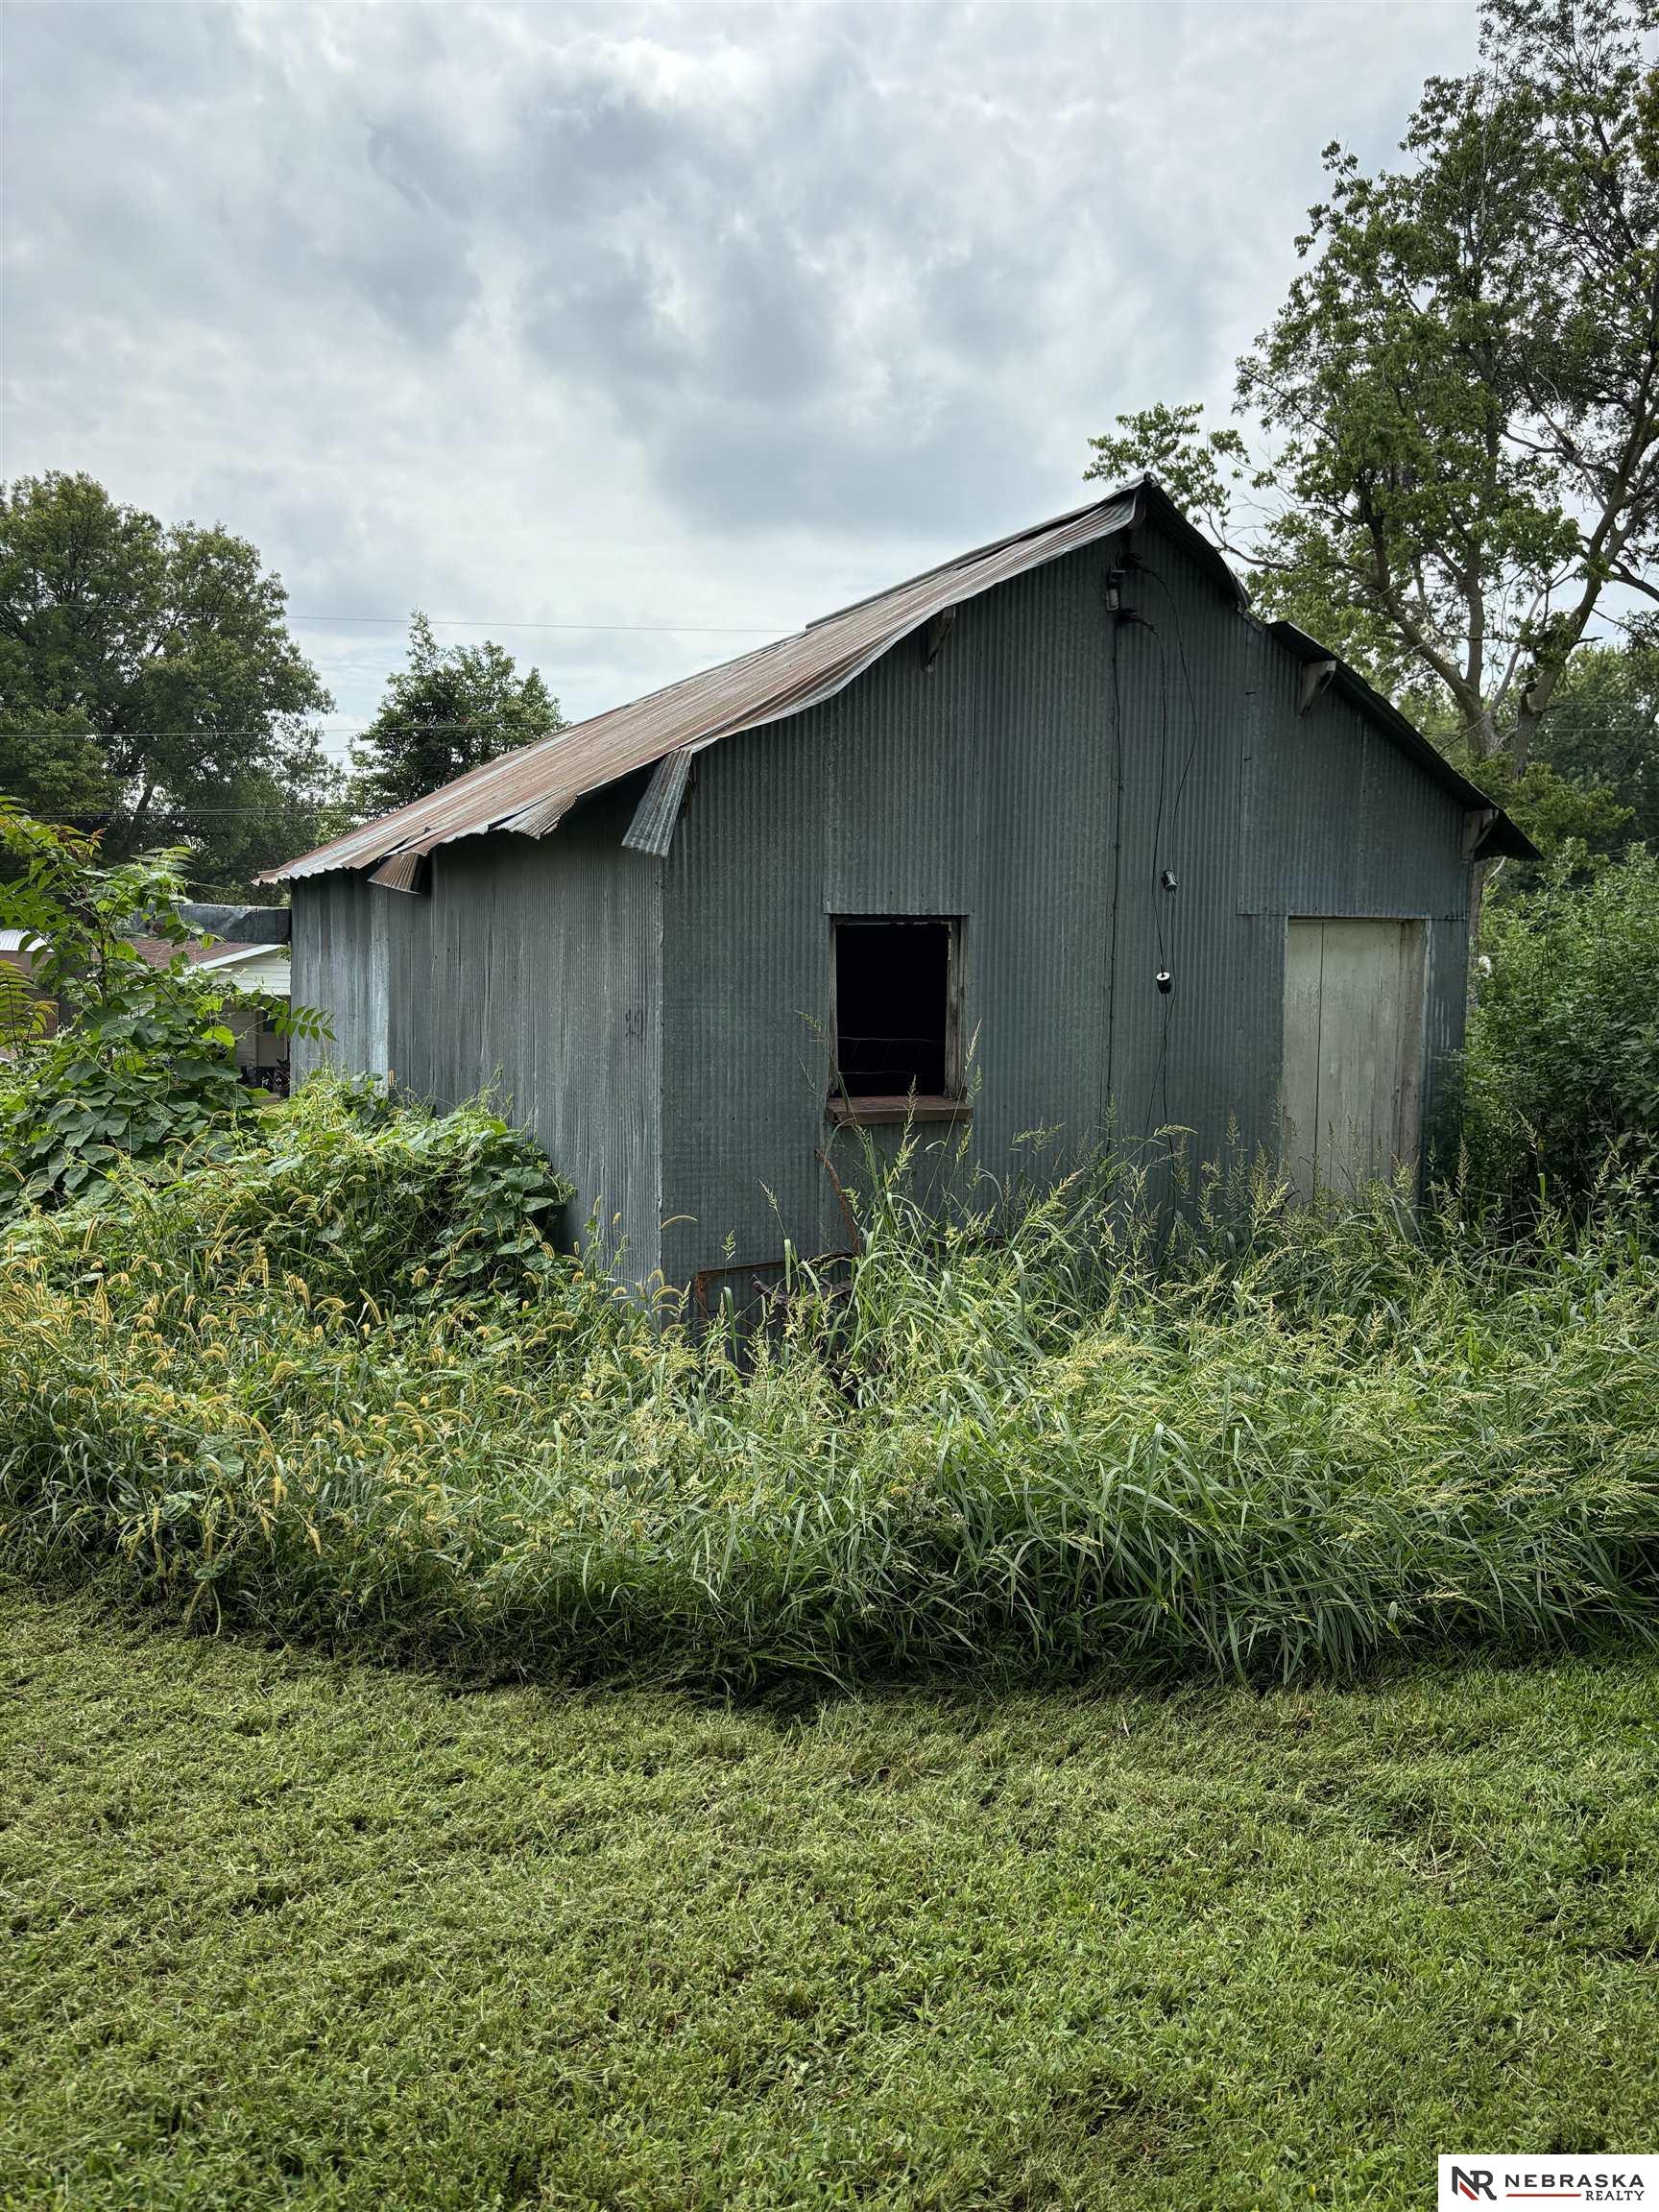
{"x":149,"y":687}
{"x":451,"y":709}
{"x":1602,"y":733}
{"x":1452,"y":465}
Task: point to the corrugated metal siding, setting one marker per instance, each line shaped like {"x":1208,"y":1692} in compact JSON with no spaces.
{"x":338,"y":968}
{"x":1342,"y":822}
{"x":988,"y":787}
{"x":746,"y":998}
{"x":1184,"y":1059}
{"x":984,"y":787}
{"x":1046,"y":764}
{"x":663,"y":1024}
{"x":532,"y":970}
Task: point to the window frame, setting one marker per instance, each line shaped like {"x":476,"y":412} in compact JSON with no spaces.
{"x":865,"y":1111}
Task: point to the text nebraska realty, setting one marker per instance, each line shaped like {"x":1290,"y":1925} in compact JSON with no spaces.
{"x":1480,"y":2184}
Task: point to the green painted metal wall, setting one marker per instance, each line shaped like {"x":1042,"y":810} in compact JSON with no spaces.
{"x":530,"y":970}
{"x":663,"y":1025}
{"x":1036,"y":781}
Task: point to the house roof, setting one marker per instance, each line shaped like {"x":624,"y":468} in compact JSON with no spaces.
{"x":159,"y":951}
{"x":531,"y":788}
{"x":220,"y":956}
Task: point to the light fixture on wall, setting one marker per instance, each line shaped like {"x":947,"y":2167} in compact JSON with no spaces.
{"x":1166,"y":982}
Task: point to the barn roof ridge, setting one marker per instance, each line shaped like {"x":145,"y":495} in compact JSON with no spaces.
{"x":529,"y":789}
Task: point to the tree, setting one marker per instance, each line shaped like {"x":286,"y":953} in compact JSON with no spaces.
{"x":141,"y":1063}
{"x":1602,"y":733}
{"x":451,"y":709}
{"x":149,"y":687}
{"x":1457,"y":409}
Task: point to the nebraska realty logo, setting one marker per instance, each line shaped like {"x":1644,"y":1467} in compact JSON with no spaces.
{"x":1489,"y":2177}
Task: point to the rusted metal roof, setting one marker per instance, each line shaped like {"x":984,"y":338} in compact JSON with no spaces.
{"x":528,"y":791}
{"x":531,"y":788}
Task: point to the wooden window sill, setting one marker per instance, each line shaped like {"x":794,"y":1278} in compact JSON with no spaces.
{"x":876,"y":1113}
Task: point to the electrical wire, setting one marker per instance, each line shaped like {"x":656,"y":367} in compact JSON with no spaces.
{"x":1158,"y":1086}
{"x":1117,"y":865}
{"x":1171,"y":959}
{"x":631,"y":629}
{"x":480,"y":723}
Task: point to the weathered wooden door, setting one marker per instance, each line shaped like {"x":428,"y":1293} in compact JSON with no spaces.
{"x":1353,"y":1052}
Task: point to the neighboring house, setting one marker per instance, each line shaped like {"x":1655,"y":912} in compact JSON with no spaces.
{"x":1058,"y":836}
{"x":17,"y":949}
{"x":261,"y":967}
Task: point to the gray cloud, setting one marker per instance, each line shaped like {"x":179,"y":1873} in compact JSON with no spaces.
{"x":645,"y":314}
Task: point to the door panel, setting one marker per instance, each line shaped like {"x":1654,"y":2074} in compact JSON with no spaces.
{"x":1353,"y":1052}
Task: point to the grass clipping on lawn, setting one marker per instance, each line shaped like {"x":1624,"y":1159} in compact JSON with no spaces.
{"x":341,"y":1389}
{"x":283,"y":1931}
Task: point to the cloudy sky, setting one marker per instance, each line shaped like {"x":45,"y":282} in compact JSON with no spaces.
{"x":665,"y":323}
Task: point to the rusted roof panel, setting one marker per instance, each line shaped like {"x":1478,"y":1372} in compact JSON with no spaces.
{"x":528,"y":791}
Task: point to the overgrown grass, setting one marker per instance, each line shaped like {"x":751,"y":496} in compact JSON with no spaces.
{"x":283,"y":1931}
{"x":1025,"y":1441}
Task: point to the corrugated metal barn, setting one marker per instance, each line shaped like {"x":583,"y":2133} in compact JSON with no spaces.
{"x":1055,"y":837}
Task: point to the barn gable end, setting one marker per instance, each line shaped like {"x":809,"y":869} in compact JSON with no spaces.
{"x":1097,"y":772}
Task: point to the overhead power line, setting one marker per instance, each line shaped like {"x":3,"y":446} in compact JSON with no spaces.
{"x":477,"y":724}
{"x":468,"y":622}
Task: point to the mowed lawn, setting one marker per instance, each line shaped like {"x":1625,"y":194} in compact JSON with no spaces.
{"x":286,"y":1932}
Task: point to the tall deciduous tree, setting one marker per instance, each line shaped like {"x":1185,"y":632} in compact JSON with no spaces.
{"x":1458,"y":466}
{"x":451,"y":709}
{"x":1603,"y":733}
{"x":149,"y":687}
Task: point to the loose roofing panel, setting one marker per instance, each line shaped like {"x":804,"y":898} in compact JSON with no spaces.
{"x":529,"y":789}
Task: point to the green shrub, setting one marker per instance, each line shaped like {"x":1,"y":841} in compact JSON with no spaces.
{"x":1561,"y":1073}
{"x":355,"y":1196}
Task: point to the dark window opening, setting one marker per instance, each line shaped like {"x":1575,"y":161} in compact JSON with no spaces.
{"x":896,"y":1020}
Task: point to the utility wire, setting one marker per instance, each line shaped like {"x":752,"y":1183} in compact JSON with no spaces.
{"x":1177,"y":932}
{"x":467,"y":622}
{"x":478,"y":724}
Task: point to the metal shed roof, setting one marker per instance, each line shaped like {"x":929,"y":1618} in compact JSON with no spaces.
{"x":529,"y":789}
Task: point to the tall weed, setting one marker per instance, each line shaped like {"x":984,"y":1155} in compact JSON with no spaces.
{"x":1033,"y":1436}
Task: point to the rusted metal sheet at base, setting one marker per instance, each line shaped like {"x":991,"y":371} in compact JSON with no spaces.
{"x":754,"y":1269}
